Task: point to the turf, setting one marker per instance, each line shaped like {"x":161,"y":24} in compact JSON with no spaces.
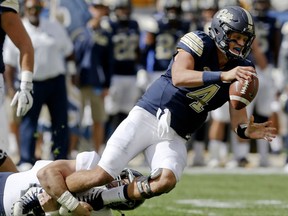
{"x":221,"y":195}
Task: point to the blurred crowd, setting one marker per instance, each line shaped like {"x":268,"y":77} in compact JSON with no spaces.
{"x":95,"y":58}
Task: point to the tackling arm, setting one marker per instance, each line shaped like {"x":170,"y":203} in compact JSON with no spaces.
{"x":52,"y":177}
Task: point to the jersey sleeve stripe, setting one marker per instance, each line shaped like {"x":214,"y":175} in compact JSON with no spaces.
{"x":192,"y":41}
{"x":12,"y":4}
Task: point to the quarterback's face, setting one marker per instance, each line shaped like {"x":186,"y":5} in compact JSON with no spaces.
{"x":237,"y":42}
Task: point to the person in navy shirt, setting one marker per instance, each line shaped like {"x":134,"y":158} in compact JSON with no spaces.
{"x":196,"y":82}
{"x":158,"y":46}
{"x":94,"y":55}
{"x":123,"y":92}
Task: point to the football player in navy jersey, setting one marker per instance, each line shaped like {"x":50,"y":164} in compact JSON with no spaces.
{"x":123,"y":92}
{"x":94,"y":56}
{"x":12,"y":26}
{"x":159,"y":46}
{"x":174,"y":106}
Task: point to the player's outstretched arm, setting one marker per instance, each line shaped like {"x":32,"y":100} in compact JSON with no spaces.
{"x":260,"y":130}
{"x":52,"y":177}
{"x":247,"y":129}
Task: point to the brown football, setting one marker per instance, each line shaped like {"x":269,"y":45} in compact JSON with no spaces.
{"x":242,"y":94}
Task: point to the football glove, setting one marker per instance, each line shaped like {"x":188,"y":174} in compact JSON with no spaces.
{"x":23,"y":96}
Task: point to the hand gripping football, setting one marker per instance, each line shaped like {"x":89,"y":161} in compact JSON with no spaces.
{"x":242,"y":94}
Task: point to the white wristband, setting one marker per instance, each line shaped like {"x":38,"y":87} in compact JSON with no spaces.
{"x":53,"y":213}
{"x":68,"y":200}
{"x":26,"y":76}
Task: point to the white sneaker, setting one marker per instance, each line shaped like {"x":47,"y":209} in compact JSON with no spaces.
{"x":213,"y":163}
{"x":28,"y":203}
{"x":232,"y":164}
{"x":198,"y":161}
{"x":92,"y":197}
{"x":24,"y":167}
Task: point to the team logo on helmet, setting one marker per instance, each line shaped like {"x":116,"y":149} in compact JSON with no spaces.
{"x":225,"y":16}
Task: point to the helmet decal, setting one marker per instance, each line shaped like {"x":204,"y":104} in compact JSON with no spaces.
{"x":225,"y":16}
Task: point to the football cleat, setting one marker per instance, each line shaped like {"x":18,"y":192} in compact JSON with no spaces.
{"x":92,"y":197}
{"x":29,"y":204}
{"x":126,"y":176}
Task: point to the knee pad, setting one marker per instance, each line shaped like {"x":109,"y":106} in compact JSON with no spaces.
{"x":143,"y":184}
{"x":3,"y":156}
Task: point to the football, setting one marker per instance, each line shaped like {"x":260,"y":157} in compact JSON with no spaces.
{"x":242,"y":94}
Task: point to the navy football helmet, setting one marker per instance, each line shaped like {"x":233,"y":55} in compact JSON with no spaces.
{"x":232,"y":19}
{"x":125,"y":177}
{"x":172,"y":9}
{"x":122,"y":9}
{"x":260,"y":7}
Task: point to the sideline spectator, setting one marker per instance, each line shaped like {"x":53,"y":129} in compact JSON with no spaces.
{"x":52,"y":45}
{"x":123,"y":91}
{"x":94,"y":59}
{"x":12,"y":26}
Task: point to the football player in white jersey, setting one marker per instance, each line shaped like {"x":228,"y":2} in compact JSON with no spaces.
{"x":27,"y":189}
{"x":20,"y":182}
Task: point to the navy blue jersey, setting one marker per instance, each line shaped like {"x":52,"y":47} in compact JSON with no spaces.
{"x":189,"y":107}
{"x":125,"y":40}
{"x":158,"y":56}
{"x":94,"y":57}
{"x":265,"y":30}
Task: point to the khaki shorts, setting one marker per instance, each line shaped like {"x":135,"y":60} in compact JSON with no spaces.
{"x":96,"y":101}
{"x":11,"y":111}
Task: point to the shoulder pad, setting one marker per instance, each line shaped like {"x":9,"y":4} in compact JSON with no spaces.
{"x":13,"y":4}
{"x":193,"y":42}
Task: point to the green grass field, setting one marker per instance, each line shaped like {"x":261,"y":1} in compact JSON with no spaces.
{"x":221,"y":195}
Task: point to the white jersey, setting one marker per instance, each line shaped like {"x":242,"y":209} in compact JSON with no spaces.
{"x":50,"y":41}
{"x":18,"y":183}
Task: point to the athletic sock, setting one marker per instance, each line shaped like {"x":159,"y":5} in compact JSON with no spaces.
{"x":117,"y":194}
{"x":213,"y":147}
